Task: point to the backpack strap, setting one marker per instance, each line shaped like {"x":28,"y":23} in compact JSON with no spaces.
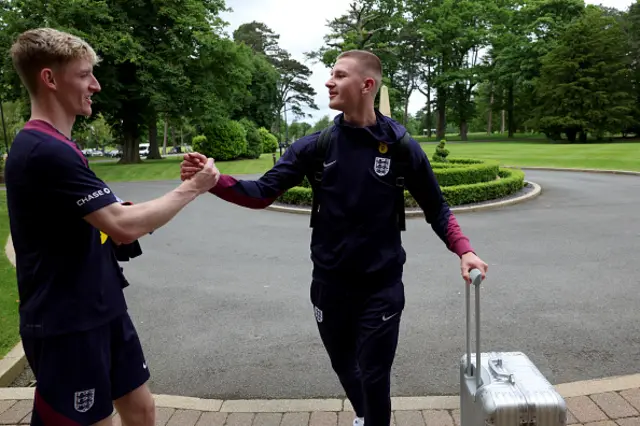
{"x":317,"y":169}
{"x":400,"y":165}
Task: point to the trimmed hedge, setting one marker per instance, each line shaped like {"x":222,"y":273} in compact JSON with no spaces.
{"x":509,"y":182}
{"x":467,"y":174}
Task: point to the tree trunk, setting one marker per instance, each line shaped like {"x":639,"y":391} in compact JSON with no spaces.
{"x":583,"y":136}
{"x":154,"y":153}
{"x":464,"y":128}
{"x":442,"y":113}
{"x":406,"y":112}
{"x":130,"y":149}
{"x":173,"y":137}
{"x":571,"y":134}
{"x":429,"y":113}
{"x":490,"y":119}
{"x":510,"y":106}
{"x":503,"y":122}
{"x":166,"y":133}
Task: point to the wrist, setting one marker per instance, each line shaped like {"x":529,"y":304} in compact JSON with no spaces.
{"x":187,"y":190}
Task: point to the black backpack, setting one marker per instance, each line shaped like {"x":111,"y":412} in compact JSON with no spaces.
{"x":400,"y":163}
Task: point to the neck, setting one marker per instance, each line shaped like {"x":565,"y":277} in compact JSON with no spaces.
{"x":361,"y":118}
{"x":54,"y":115}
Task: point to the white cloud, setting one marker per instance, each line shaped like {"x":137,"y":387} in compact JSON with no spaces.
{"x":302,"y":25}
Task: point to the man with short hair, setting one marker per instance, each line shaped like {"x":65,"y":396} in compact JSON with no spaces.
{"x":357,"y":290}
{"x":65,"y":225}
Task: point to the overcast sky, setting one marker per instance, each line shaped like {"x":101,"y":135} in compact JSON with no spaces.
{"x":302,"y":25}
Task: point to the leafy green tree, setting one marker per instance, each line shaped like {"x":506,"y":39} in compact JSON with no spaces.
{"x":585,"y":86}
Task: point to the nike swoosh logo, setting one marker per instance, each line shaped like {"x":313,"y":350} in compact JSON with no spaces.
{"x":329,"y":164}
{"x":387,"y":318}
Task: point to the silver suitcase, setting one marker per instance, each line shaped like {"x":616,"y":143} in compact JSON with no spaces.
{"x":509,"y":390}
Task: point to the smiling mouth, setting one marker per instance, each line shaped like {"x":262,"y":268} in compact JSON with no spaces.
{"x":88,"y":99}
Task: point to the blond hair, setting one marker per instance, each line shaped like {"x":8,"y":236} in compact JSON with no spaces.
{"x":369,"y":63}
{"x":41,"y":48}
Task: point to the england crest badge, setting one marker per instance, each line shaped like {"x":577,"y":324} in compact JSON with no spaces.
{"x":83,"y":400}
{"x":381,"y":166}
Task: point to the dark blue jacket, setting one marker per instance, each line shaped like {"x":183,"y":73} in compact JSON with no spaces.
{"x":356,"y":235}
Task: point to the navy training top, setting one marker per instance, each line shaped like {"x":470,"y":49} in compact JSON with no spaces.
{"x":68,"y":276}
{"x":356,"y":234}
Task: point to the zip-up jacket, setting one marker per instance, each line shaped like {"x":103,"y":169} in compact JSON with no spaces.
{"x":356,"y":234}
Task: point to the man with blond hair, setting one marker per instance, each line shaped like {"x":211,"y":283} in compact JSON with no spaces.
{"x":66,"y":224}
{"x":359,"y":168}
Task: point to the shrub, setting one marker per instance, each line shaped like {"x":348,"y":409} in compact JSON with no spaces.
{"x":254,"y":139}
{"x":441,"y":152}
{"x":466,"y":174}
{"x":269,"y":141}
{"x":225,"y":140}
{"x":511,"y":181}
{"x":199,"y":143}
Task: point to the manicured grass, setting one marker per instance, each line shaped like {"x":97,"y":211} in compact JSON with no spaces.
{"x":169,"y":168}
{"x":9,"y":321}
{"x":617,"y":156}
{"x":483,"y":136}
{"x":612,"y":156}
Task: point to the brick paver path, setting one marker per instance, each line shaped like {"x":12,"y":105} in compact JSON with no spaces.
{"x":603,"y":409}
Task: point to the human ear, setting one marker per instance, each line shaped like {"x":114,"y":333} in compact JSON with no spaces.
{"x":47,"y":77}
{"x":368,"y":85}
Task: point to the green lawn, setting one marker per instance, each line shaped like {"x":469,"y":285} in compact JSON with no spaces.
{"x":618,"y":156}
{"x":169,"y":168}
{"x":614,"y":156}
{"x":9,"y":336}
{"x":483,"y":136}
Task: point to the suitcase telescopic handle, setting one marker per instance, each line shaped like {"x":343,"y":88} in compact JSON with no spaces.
{"x":476,"y":280}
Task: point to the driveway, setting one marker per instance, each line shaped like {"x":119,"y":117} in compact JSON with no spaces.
{"x":221,"y":295}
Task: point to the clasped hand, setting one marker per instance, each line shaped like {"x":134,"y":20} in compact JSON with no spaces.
{"x":201,"y":170}
{"x":193,"y":163}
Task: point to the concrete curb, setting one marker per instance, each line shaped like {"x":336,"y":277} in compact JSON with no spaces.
{"x":537,"y":190}
{"x":567,"y":390}
{"x":14,"y":362}
{"x":565,"y":169}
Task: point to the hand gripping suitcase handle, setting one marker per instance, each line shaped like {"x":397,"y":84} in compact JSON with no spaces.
{"x":476,"y":280}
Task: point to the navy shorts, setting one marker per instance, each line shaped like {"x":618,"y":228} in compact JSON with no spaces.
{"x":79,"y":375}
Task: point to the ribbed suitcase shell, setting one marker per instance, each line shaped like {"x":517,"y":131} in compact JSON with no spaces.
{"x":510,"y":390}
{"x":513,"y":392}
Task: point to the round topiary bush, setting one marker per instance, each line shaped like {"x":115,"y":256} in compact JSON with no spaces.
{"x":223,"y":140}
{"x":462,"y":181}
{"x":254,"y":139}
{"x":269,"y":141}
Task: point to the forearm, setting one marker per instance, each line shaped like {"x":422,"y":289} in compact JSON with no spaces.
{"x":138,"y":220}
{"x":425,"y":189}
{"x":250,"y":194}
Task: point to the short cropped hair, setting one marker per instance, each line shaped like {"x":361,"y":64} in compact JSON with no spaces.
{"x":369,"y":62}
{"x":40,"y":48}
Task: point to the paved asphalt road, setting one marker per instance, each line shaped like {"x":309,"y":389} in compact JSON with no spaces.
{"x":221,"y":295}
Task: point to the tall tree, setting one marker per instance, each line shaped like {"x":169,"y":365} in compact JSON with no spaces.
{"x":148,"y":50}
{"x":294,"y":91}
{"x":259,"y":37}
{"x":632,"y":29}
{"x":584,"y":84}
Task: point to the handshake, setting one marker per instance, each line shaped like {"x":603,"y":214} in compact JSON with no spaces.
{"x":199,"y":171}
